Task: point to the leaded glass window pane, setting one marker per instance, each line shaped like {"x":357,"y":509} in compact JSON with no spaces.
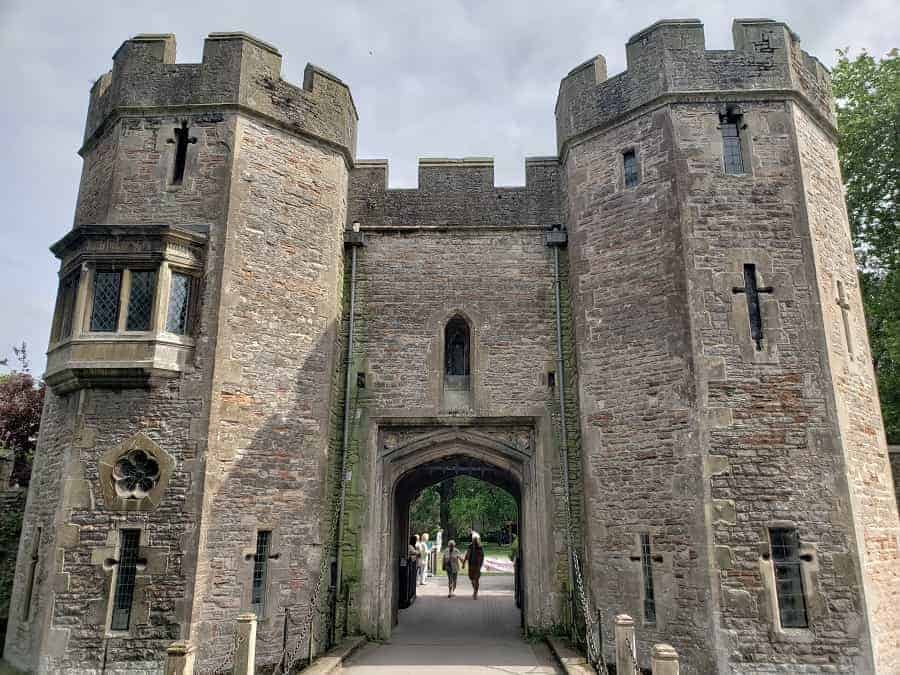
{"x":105,"y":308}
{"x":260,"y":563}
{"x":629,"y":161}
{"x":68,"y":289}
{"x":788,"y":577}
{"x":731,"y":148}
{"x":140,"y":299}
{"x":125,"y":573}
{"x":179,"y":302}
{"x":647,"y":573}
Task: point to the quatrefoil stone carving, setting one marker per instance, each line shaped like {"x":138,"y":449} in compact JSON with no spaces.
{"x":134,"y":474}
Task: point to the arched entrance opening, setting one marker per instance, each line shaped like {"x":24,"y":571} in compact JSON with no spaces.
{"x":413,"y":482}
{"x":411,"y":453}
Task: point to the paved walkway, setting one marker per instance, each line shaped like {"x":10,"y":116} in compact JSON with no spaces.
{"x":440,"y":635}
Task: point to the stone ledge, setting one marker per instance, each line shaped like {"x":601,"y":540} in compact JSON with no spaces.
{"x":571,"y":661}
{"x":333,"y":661}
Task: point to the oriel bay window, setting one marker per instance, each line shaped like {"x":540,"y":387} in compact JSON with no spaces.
{"x":127,"y":298}
{"x":124,"y":301}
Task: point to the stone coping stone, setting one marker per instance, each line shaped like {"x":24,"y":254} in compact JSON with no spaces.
{"x":332,"y":661}
{"x":571,"y":661}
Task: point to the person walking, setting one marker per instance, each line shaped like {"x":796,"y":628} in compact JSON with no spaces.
{"x":422,"y":547}
{"x":451,"y":563}
{"x":474,"y":558}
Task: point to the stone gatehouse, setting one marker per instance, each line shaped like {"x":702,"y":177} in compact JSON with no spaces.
{"x":261,"y":352}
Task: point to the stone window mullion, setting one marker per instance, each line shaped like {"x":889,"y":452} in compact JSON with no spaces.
{"x":124,"y":294}
{"x":80,"y":313}
{"x":161,"y":304}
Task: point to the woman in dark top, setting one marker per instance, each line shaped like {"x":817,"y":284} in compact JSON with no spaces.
{"x":475,"y":559}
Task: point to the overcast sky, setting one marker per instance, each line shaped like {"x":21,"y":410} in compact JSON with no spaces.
{"x":430,"y":78}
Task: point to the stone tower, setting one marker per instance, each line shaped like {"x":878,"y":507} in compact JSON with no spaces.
{"x":725,"y":379}
{"x":261,"y":353}
{"x":196,"y":328}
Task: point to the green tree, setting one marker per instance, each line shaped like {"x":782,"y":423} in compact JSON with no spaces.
{"x":477,"y":504}
{"x":868,"y":111}
{"x":21,"y":404}
{"x":424,"y":510}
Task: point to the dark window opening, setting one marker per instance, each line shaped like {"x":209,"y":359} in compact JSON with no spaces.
{"x":360,"y":380}
{"x":260,"y":567}
{"x":126,"y":571}
{"x":788,"y":577}
{"x":732,"y":153}
{"x":629,"y":162}
{"x":182,"y":139}
{"x":140,"y":300}
{"x":551,"y":379}
{"x":68,"y":290}
{"x":105,"y":307}
{"x":456,"y":353}
{"x":754,"y":312}
{"x":647,"y":573}
{"x":179,"y":304}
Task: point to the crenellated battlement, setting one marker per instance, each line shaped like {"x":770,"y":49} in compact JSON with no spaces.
{"x":238,"y":71}
{"x":454,"y":192}
{"x":670,"y":58}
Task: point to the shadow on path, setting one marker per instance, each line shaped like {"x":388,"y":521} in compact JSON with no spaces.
{"x":457,"y":635}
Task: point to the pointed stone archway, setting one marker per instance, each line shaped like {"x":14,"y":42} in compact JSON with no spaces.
{"x":413,"y":454}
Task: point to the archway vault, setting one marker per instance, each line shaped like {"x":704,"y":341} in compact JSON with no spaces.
{"x":409,"y":455}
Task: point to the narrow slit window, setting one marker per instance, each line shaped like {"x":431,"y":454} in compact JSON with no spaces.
{"x":105,"y":306}
{"x":788,"y":577}
{"x":629,"y":163}
{"x":126,"y":570}
{"x":179,"y":303}
{"x":181,"y":141}
{"x":647,"y":573}
{"x":68,"y":289}
{"x":32,"y":574}
{"x":732,"y":152}
{"x":140,"y":299}
{"x":260,"y":568}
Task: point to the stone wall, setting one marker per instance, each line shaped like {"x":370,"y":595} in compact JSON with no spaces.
{"x":856,"y":415}
{"x":458,"y":192}
{"x":772,"y":455}
{"x":12,"y":510}
{"x":642,"y":466}
{"x":270,"y":423}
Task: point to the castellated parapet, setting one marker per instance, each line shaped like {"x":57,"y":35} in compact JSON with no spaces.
{"x":669,"y":61}
{"x":238,"y":71}
{"x":260,"y":353}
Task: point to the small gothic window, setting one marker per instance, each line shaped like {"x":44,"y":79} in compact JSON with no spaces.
{"x":179,"y":304}
{"x":105,"y":308}
{"x":629,"y":164}
{"x":135,"y":475}
{"x":732,"y":153}
{"x":123,"y":594}
{"x":456,"y":347}
{"x":788,"y":577}
{"x":260,"y":564}
{"x":140,"y":299}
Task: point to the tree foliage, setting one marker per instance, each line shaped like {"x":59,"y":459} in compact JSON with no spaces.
{"x":474,"y":505}
{"x":868,"y":111}
{"x":21,"y":403}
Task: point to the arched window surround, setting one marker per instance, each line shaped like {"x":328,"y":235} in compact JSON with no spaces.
{"x":457,"y":353}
